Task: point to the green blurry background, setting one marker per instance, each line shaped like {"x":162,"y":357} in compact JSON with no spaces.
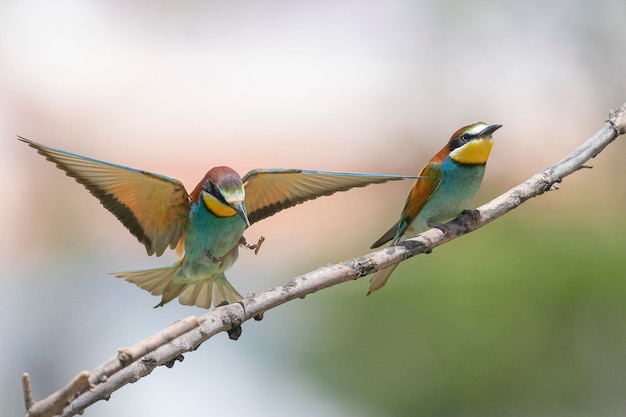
{"x":523,"y":317}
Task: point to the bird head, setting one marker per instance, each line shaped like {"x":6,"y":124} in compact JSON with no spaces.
{"x":223,"y":194}
{"x":471,"y":145}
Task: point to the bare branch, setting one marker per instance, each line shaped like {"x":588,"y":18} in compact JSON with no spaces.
{"x":168,"y":346}
{"x":131,"y":354}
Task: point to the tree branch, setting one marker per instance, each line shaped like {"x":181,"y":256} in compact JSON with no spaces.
{"x":168,"y":346}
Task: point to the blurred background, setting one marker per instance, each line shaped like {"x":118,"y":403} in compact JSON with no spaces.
{"x":524,"y":317}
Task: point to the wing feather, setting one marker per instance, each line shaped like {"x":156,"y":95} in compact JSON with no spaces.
{"x":154,"y":208}
{"x":269,"y":191}
{"x":423,"y":189}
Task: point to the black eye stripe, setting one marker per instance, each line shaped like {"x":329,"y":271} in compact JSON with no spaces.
{"x":212,"y":189}
{"x":459,"y":141}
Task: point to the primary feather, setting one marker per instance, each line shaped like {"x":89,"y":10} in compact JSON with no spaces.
{"x":269,"y":191}
{"x":154,"y":208}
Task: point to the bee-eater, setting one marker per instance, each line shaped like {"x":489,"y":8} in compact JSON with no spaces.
{"x":205,"y":226}
{"x":450,"y":179}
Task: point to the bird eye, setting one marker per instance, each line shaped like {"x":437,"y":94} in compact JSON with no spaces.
{"x":464,"y":137}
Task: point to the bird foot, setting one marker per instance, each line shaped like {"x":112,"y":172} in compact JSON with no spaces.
{"x":255,"y":246}
{"x":474,"y":215}
{"x":444,"y":229}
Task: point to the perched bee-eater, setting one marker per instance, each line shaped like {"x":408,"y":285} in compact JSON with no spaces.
{"x":205,"y":226}
{"x":447,"y":185}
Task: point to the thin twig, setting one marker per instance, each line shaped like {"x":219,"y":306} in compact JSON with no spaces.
{"x":167,"y":346}
{"x":60,"y":399}
{"x":28,"y":393}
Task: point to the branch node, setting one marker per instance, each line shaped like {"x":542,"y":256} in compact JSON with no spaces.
{"x":149,"y":362}
{"x":125,"y":356}
{"x":556,"y":185}
{"x":234,"y":333}
{"x":232,"y":324}
{"x":550,"y":184}
{"x":617,"y":118}
{"x":363,"y":266}
{"x":288,"y":286}
{"x":172,"y":362}
{"x":412,"y":245}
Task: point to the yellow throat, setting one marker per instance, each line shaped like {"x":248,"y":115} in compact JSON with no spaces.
{"x":475,"y":152}
{"x":217,"y":207}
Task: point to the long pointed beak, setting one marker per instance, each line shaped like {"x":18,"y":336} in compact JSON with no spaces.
{"x":489,"y":130}
{"x":240,"y":207}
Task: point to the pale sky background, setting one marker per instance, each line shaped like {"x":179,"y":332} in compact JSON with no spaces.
{"x":179,"y":87}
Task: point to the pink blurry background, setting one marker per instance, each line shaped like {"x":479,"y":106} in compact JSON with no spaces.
{"x":177,"y":88}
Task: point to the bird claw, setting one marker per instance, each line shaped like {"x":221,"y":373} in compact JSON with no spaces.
{"x":474,"y":215}
{"x":444,"y":229}
{"x":256,"y":246}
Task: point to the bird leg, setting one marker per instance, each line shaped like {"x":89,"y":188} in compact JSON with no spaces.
{"x":242,"y":241}
{"x":213,"y":259}
{"x":255,"y":246}
{"x":221,"y":259}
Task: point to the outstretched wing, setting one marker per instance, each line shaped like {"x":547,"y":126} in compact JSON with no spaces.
{"x":269,"y":191}
{"x":154,"y":208}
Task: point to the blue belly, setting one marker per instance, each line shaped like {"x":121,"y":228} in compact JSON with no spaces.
{"x":217,"y":236}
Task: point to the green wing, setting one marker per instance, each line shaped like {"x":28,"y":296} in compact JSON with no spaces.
{"x":269,"y":191}
{"x":154,"y":208}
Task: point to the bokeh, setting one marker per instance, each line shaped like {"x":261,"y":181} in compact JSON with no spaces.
{"x":524,"y":317}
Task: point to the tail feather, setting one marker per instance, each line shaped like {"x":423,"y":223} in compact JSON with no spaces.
{"x":204,"y":293}
{"x":171,"y":291}
{"x":160,"y":281}
{"x":380,"y":279}
{"x":390,"y":234}
{"x":155,"y":281}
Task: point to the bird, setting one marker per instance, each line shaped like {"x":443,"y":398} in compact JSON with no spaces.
{"x":205,"y":226}
{"x":450,"y":179}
